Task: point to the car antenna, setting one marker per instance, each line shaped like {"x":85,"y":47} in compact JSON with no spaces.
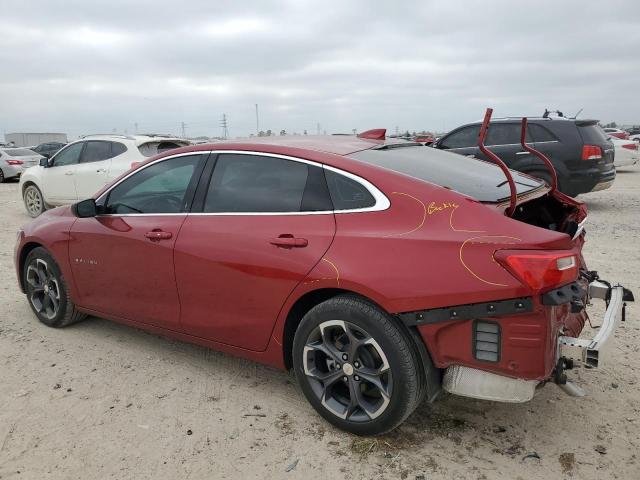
{"x":579,"y":112}
{"x":513,"y":197}
{"x":540,"y":155}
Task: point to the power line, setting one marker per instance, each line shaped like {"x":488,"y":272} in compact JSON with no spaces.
{"x":224,"y":125}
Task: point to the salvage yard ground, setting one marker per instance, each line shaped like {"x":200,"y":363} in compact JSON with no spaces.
{"x":100,"y":400}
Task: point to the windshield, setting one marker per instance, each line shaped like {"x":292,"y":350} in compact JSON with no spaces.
{"x":481,"y":180}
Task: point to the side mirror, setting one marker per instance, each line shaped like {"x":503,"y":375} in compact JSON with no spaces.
{"x":85,"y":208}
{"x":44,"y":162}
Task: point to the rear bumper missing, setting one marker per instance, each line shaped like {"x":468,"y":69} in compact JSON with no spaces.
{"x":590,"y":351}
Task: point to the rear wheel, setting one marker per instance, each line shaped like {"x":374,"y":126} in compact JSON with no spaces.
{"x":47,"y":290}
{"x":356,"y":366}
{"x":1,"y":176}
{"x":33,"y":201}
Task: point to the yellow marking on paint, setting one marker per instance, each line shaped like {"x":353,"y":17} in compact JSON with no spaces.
{"x":475,"y":238}
{"x":335,"y":268}
{"x":424,"y":215}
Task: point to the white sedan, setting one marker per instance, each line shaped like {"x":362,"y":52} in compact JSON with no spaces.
{"x":626,"y":152}
{"x":83,"y":167}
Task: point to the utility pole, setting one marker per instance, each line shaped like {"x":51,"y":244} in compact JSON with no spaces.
{"x":224,"y":125}
{"x":136,"y":125}
{"x":257,"y":121}
{"x":184,"y":133}
{"x":318,"y":128}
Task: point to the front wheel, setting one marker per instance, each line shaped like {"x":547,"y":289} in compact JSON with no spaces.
{"x":47,"y":290}
{"x":33,"y":201}
{"x":356,"y":366}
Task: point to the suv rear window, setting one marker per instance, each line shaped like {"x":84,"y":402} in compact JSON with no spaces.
{"x":592,"y":134}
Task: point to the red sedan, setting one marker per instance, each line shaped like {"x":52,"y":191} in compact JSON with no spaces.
{"x":380,"y":272}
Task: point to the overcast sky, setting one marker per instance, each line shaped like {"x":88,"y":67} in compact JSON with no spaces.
{"x":79,"y":66}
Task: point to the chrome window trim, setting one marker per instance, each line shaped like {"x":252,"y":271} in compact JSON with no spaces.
{"x":381,"y":200}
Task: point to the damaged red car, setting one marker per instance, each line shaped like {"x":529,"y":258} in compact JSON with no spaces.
{"x":381,"y":272}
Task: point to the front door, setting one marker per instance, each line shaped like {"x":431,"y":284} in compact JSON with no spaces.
{"x":260,"y":232}
{"x":58,"y":179}
{"x":122,"y":260}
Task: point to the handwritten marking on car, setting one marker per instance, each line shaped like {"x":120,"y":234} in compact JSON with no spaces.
{"x":476,"y":240}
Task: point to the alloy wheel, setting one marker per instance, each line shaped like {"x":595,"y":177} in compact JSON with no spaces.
{"x":33,"y":201}
{"x":348,"y":371}
{"x":43,"y":288}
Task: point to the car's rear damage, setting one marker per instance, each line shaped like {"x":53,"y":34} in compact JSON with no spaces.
{"x":504,"y":349}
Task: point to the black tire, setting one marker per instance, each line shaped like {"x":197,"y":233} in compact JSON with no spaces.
{"x":33,"y":200}
{"x":376,"y":343}
{"x":47,"y":291}
{"x":1,"y":176}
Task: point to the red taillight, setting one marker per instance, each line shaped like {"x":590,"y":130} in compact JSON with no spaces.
{"x":630,"y":146}
{"x":540,"y":271}
{"x":135,"y":164}
{"x":591,"y":152}
{"x":15,"y":162}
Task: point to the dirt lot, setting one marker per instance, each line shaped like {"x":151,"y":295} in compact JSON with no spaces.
{"x":100,"y":400}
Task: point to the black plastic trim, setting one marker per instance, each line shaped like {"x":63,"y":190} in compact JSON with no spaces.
{"x":570,"y":293}
{"x":468,"y":312}
{"x":474,"y":341}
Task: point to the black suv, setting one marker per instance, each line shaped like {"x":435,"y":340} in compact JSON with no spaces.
{"x":48,"y":149}
{"x":579,"y":150}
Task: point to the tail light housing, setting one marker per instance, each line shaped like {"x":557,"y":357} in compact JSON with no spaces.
{"x":591,"y":152}
{"x":15,"y":162}
{"x":630,"y":146}
{"x":540,"y":270}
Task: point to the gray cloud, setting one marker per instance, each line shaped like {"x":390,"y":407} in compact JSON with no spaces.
{"x":83,"y":67}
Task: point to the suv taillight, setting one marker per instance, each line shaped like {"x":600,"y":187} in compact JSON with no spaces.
{"x":591,"y":152}
{"x":540,"y":270}
{"x":15,"y":162}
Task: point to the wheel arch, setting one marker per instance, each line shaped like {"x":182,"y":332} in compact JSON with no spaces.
{"x":24,"y":252}
{"x":310,"y":299}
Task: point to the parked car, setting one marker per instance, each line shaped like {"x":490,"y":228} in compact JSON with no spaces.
{"x":627,"y":153}
{"x":635,"y":130}
{"x":616,"y":132}
{"x":635,"y":138}
{"x":13,"y":162}
{"x":579,"y":150}
{"x":48,"y":149}
{"x":85,"y":166}
{"x":378,"y":271}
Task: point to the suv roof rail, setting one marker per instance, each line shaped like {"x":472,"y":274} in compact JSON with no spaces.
{"x":164,"y":135}
{"x":118,"y":135}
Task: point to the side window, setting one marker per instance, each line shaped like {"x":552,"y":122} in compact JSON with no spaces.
{"x":541,"y":134}
{"x":503,"y":134}
{"x":96,"y":151}
{"x":117,"y":148}
{"x":69,"y":155}
{"x":159,"y":188}
{"x":347,"y":194}
{"x":254,"y":183}
{"x":466,"y":137}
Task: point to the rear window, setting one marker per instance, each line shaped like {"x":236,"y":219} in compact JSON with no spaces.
{"x":19,"y":152}
{"x":481,"y":180}
{"x":150,"y":149}
{"x":592,"y":134}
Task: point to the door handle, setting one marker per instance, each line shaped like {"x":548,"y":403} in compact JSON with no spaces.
{"x":101,"y":170}
{"x":523,"y":153}
{"x":289,"y":241}
{"x":158,"y":235}
{"x":68,"y":173}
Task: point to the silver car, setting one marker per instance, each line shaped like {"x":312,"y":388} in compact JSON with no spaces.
{"x":14,"y":161}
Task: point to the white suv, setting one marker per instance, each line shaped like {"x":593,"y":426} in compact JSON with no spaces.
{"x":83,"y":167}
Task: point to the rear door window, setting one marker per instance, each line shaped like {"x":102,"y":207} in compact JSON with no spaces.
{"x":96,"y":151}
{"x":256,"y":183}
{"x":347,"y":194}
{"x":541,"y":134}
{"x":503,"y":134}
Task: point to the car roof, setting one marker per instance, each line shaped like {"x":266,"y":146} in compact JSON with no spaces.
{"x":136,"y":139}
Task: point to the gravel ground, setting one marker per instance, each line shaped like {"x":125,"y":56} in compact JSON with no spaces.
{"x":100,"y":400}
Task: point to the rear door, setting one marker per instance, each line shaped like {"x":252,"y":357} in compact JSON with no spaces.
{"x":91,"y":173}
{"x":265,"y":221}
{"x":122,"y":260}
